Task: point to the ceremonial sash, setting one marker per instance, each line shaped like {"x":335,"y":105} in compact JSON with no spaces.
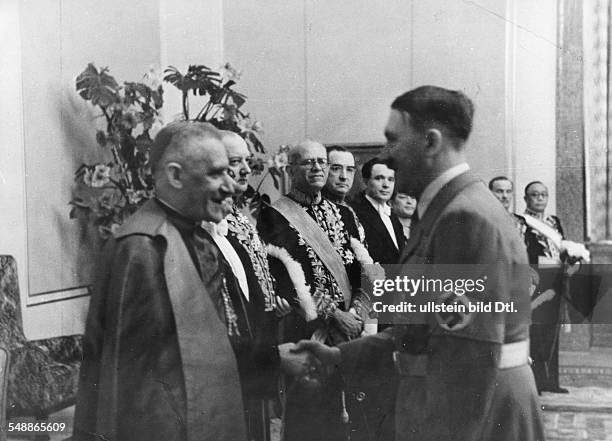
{"x":317,"y":238}
{"x":544,"y":229}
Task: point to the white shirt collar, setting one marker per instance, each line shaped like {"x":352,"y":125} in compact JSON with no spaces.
{"x":436,"y":185}
{"x":382,"y":208}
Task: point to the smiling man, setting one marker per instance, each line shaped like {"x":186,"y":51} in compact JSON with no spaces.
{"x":317,"y":271}
{"x":166,"y":343}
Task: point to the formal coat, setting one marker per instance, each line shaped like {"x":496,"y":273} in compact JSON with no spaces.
{"x":380,"y":244}
{"x":158,"y":363}
{"x":313,"y":415}
{"x":545,"y":330}
{"x":451,"y":385}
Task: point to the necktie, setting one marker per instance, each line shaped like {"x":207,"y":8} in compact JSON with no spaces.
{"x":213,"y":277}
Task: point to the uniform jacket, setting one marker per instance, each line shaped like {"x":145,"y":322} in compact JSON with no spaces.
{"x":381,"y":246}
{"x":463,"y":395}
{"x":158,"y":364}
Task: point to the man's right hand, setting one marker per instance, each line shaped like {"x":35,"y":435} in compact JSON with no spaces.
{"x":349,"y":324}
{"x":327,"y":355}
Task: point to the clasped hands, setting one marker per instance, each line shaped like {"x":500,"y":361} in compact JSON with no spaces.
{"x":308,"y":361}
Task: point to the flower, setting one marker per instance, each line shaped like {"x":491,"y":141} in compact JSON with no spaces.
{"x":229,"y":73}
{"x":153,"y":77}
{"x":100,"y":176}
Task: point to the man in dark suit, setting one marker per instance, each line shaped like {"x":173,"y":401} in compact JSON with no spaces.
{"x":383,"y":231}
{"x":463,"y":377}
{"x":503,"y":190}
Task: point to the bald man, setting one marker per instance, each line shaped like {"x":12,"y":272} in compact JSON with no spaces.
{"x":317,"y":271}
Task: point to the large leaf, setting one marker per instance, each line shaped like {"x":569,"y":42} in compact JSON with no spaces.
{"x":98,"y":87}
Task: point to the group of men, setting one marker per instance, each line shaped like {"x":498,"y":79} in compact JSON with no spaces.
{"x":198,"y":315}
{"x":544,"y":255}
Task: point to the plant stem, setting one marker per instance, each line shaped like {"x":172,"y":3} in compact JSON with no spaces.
{"x":263,"y":178}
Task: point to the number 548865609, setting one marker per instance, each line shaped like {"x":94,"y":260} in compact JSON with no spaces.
{"x":36,"y":427}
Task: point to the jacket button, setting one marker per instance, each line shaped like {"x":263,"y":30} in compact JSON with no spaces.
{"x":360,"y":396}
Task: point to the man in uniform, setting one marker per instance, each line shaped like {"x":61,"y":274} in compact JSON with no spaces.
{"x":316,"y":269}
{"x":466,"y":378}
{"x":340,"y":181}
{"x":167,"y":348}
{"x":543,"y":250}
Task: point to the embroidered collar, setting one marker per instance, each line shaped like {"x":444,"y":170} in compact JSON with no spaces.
{"x":305,"y":198}
{"x":541,"y":216}
{"x":336,"y":199}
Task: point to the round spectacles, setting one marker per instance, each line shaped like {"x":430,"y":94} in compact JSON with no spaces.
{"x":310,"y":163}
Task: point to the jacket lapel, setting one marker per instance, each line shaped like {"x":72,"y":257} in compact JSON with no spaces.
{"x":424,"y":227}
{"x":373,"y":218}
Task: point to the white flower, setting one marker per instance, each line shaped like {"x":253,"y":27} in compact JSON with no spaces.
{"x":98,"y":177}
{"x":229,"y":73}
{"x":153,"y":77}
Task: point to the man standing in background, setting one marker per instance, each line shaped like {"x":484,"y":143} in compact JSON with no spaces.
{"x":384,"y":233}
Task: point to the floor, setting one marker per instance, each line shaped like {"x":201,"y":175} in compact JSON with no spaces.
{"x":585,"y":413}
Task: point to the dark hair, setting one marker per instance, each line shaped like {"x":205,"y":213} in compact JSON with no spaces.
{"x":366,"y":169}
{"x":168,"y":136}
{"x":429,"y":105}
{"x":532,"y":183}
{"x":336,"y":148}
{"x":499,"y":178}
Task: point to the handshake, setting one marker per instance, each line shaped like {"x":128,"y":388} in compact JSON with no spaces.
{"x":308,"y":360}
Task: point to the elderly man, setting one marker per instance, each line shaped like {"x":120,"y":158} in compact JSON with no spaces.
{"x":167,"y":345}
{"x":463,"y":377}
{"x":317,"y":270}
{"x":383,"y":230}
{"x":340,"y":181}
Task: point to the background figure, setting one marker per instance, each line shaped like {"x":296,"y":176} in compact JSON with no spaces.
{"x":317,"y":270}
{"x":503,"y":189}
{"x":462,"y":376}
{"x":546,"y":317}
{"x":340,"y":181}
{"x":383,"y":231}
{"x":403,"y":206}
{"x":166,"y":344}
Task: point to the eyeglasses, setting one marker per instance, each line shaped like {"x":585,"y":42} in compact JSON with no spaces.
{"x":536,"y":195}
{"x":310,"y":163}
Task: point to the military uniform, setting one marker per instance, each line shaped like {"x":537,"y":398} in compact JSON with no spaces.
{"x":465,"y":379}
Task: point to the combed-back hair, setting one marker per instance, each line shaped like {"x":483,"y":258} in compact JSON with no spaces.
{"x":431,"y":105}
{"x":366,"y":169}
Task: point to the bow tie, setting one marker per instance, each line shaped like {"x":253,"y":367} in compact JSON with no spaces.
{"x":213,"y":229}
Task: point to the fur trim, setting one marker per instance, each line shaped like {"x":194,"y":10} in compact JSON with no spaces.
{"x":296,"y":274}
{"x":372,"y":270}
